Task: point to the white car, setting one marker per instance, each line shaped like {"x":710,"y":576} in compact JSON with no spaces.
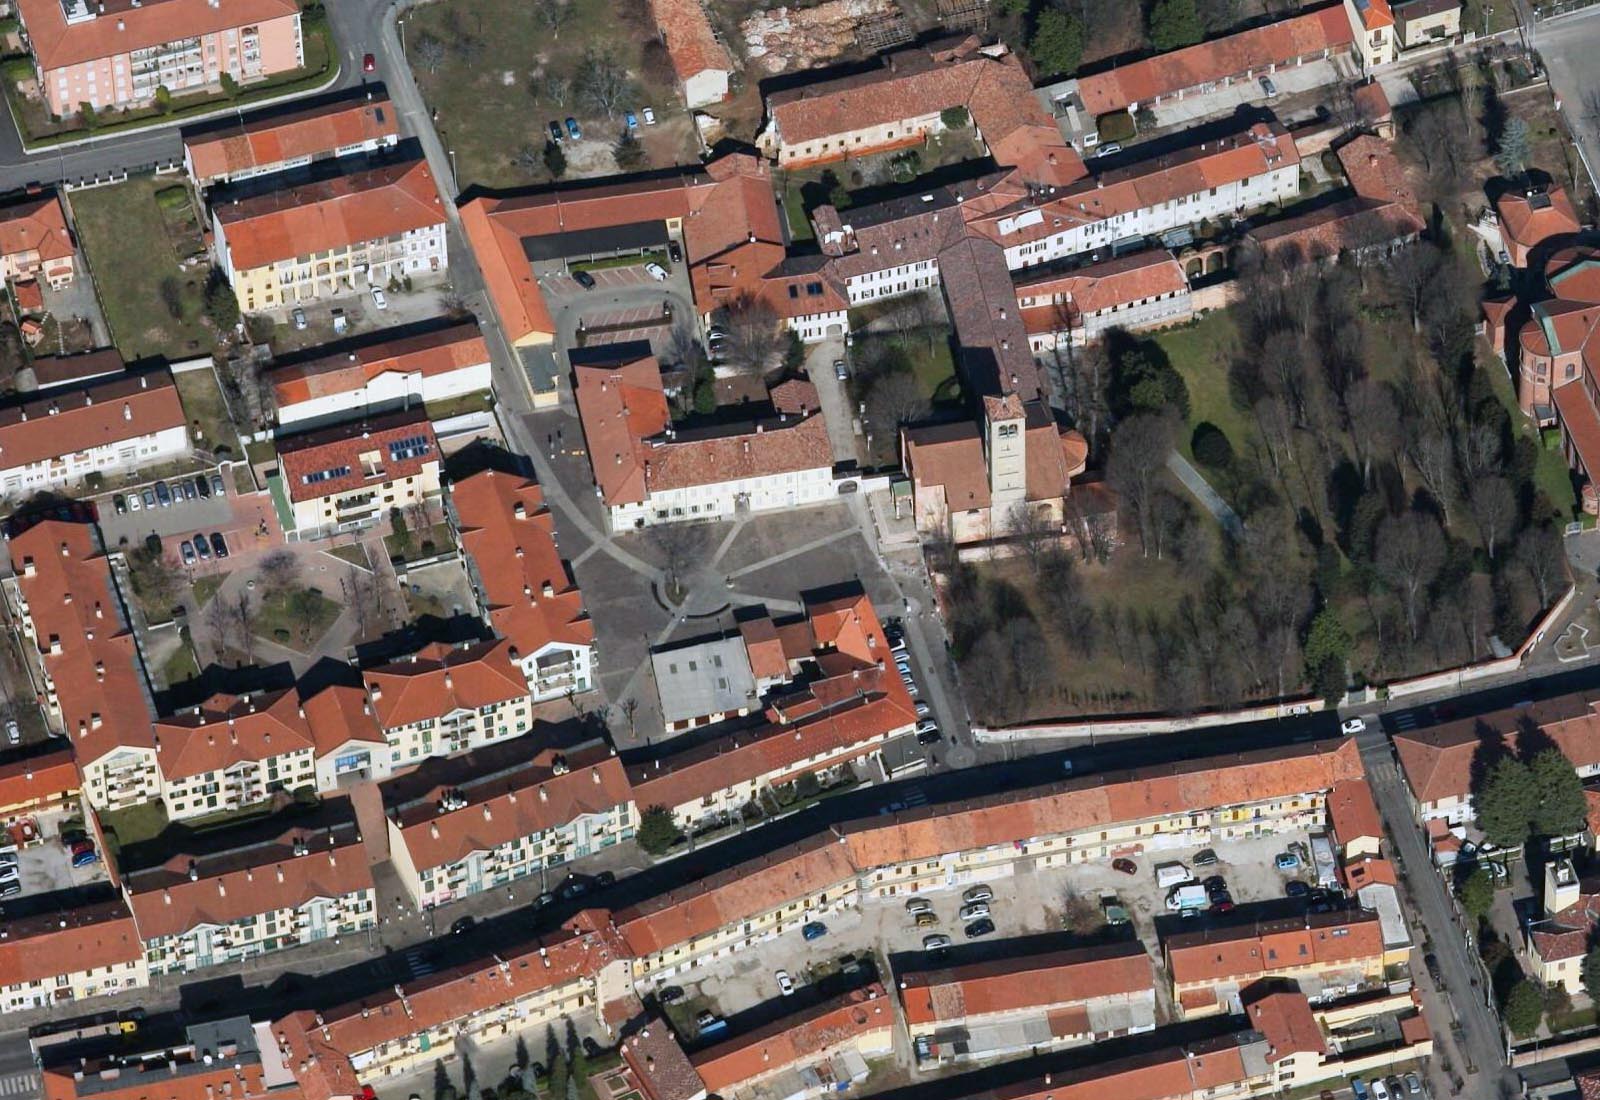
{"x":785,"y":983}
{"x":1353,"y":725}
{"x":656,"y":271}
{"x":379,"y":299}
{"x":13,"y":731}
{"x":1380,"y":1091}
{"x":975,"y":911}
{"x":649,"y":116}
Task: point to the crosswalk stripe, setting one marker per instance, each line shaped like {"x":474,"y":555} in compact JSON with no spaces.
{"x":18,"y":1084}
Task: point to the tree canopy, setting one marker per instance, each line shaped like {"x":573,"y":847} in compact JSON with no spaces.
{"x":1057,"y":43}
{"x":657,"y":830}
{"x":1542,"y":796}
{"x":1524,"y":1008}
{"x":1175,"y":24}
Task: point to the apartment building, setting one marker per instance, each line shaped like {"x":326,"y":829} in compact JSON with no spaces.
{"x":648,"y":472}
{"x":902,"y":104}
{"x":233,"y":751}
{"x":443,"y":700}
{"x":77,"y":641}
{"x":484,"y":820}
{"x":118,"y":53}
{"x":699,"y":59}
{"x":839,"y":706}
{"x":1437,"y":763}
{"x":724,"y":217}
{"x":311,"y":882}
{"x":230,"y":1058}
{"x":273,"y":141}
{"x":1134,"y":292}
{"x":1426,"y":22}
{"x":381,"y":373}
{"x":110,"y":426}
{"x":1375,"y":38}
{"x":1027,"y":1003}
{"x":1330,"y":956}
{"x":329,"y":237}
{"x":35,"y":242}
{"x":54,"y":958}
{"x":1559,"y":937}
{"x":655,"y":1066}
{"x":48,"y":781}
{"x":575,"y":971}
{"x":822,"y":1048}
{"x":524,"y":589}
{"x":348,"y":476}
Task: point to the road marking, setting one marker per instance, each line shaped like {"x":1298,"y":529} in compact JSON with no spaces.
{"x":1404,"y":720}
{"x":18,"y":1084}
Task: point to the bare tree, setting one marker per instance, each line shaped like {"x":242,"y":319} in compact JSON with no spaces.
{"x":680,"y":546}
{"x":244,"y":616}
{"x":1494,"y":509}
{"x":279,"y":571}
{"x":553,"y":14}
{"x":1430,"y":452}
{"x":1139,"y":449}
{"x":893,"y":401}
{"x":219,"y":620}
{"x":430,"y":51}
{"x":157,"y":577}
{"x":1540,"y":552}
{"x":1410,"y":273}
{"x":1410,"y":552}
{"x":553,"y":89}
{"x":529,"y":160}
{"x":602,"y":82}
{"x":755,"y":336}
{"x":1375,"y":413}
{"x":1034,"y":530}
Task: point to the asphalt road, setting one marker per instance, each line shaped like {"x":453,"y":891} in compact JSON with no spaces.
{"x":1569,"y":45}
{"x":356,"y":29}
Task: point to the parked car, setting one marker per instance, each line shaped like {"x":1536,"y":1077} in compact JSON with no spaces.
{"x":573,"y":131}
{"x":202,"y":486}
{"x":379,"y":299}
{"x":936,"y":942}
{"x":649,"y":116}
{"x":1125,"y":866}
{"x":631,"y":120}
{"x":704,"y":1018}
{"x":1222,"y":905}
{"x":1107,"y":149}
{"x":369,"y":64}
{"x":9,"y":857}
{"x":555,"y":132}
{"x":839,"y":370}
{"x":1354,"y":725}
{"x":1413,"y":1084}
{"x":919,"y":905}
{"x":134,"y":504}
{"x":10,"y":873}
{"x":927,"y":734}
{"x":69,"y":837}
{"x":1380,"y":1091}
{"x":298,"y":316}
{"x":974,"y":911}
{"x":671,"y":995}
{"x":1205,"y":857}
{"x":978,"y":893}
{"x":1288,"y":861}
{"x":216,"y":485}
{"x":1215,"y":882}
{"x":163,"y":494}
{"x":186,"y":551}
{"x":120,"y":504}
{"x":923,"y":710}
{"x":785,"y":983}
{"x":202,"y":547}
{"x":462,"y":925}
{"x":656,"y":271}
{"x":978,"y":928}
{"x":13,"y":731}
{"x":583,"y":279}
{"x":926,"y":920}
{"x":1431,"y":962}
{"x":674,"y":252}
{"x":186,"y":487}
{"x":1295,"y":889}
{"x":83,"y":859}
{"x":814,"y":930}
{"x":1269,"y":87}
{"x":10,"y":889}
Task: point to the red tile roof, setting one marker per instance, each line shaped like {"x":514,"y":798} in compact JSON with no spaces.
{"x":1533,"y":217}
{"x":1245,"y":952}
{"x":228,"y":729}
{"x":83,"y":938}
{"x":267,"y":140}
{"x":1438,"y":760}
{"x":950,"y":995}
{"x":504,"y":806}
{"x":235,"y":1079}
{"x":950,"y":456}
{"x":439,"y":679}
{"x":1048,"y":301}
{"x":812,"y":1034}
{"x":37,"y":779}
{"x":691,"y":44}
{"x":659,"y":1064}
{"x":1375,"y":172}
{"x":429,"y":354}
{"x":1350,"y":225}
{"x":35,"y":225}
{"x":1352,"y":811}
{"x":1581,"y":422}
{"x":510,"y":535}
{"x":331,"y":456}
{"x":1252,"y":50}
{"x":621,"y":404}
{"x":100,"y":413}
{"x":66,"y":581}
{"x":128,"y":27}
{"x":368,"y":205}
{"x":1284,"y":1016}
{"x":772,"y":447}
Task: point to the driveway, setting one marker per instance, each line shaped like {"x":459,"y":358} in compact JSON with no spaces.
{"x":834,"y":398}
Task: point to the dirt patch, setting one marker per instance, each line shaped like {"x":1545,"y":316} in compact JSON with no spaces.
{"x":781,"y":39}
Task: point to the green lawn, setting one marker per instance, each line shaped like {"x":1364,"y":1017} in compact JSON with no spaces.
{"x":129,"y":255}
{"x":928,"y":352}
{"x":419,"y":544}
{"x":206,"y":587}
{"x":207,"y":412}
{"x":296,"y":618}
{"x":459,"y":406}
{"x":1200,"y":351}
{"x":355,"y":554}
{"x":1551,"y":475}
{"x":135,"y":824}
{"x":180,"y":666}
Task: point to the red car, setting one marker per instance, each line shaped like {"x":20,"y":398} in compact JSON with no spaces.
{"x":369,"y":64}
{"x":1126,"y":866}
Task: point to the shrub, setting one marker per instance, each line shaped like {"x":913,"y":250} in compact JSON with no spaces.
{"x":1117,"y":126}
{"x":954,"y":118}
{"x":1211,"y":447}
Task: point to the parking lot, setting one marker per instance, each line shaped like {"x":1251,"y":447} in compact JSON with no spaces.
{"x":1028,"y":901}
{"x":246,"y":523}
{"x":47,"y":866}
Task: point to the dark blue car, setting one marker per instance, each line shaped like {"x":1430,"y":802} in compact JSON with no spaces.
{"x":815,"y":930}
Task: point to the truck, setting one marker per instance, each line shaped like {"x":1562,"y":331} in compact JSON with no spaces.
{"x":1188,"y":896}
{"x":1172,"y":874}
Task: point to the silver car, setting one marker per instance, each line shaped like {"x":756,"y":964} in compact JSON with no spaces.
{"x":978,"y":893}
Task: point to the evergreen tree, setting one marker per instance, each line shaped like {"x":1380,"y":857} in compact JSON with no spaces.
{"x":1477,"y":893}
{"x":1175,"y":24}
{"x":1524,"y":1008}
{"x":1561,"y":807}
{"x":1506,"y":802}
{"x":1057,"y":43}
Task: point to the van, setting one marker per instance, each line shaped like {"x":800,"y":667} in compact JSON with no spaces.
{"x":1171,"y":874}
{"x":1189,"y":896}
